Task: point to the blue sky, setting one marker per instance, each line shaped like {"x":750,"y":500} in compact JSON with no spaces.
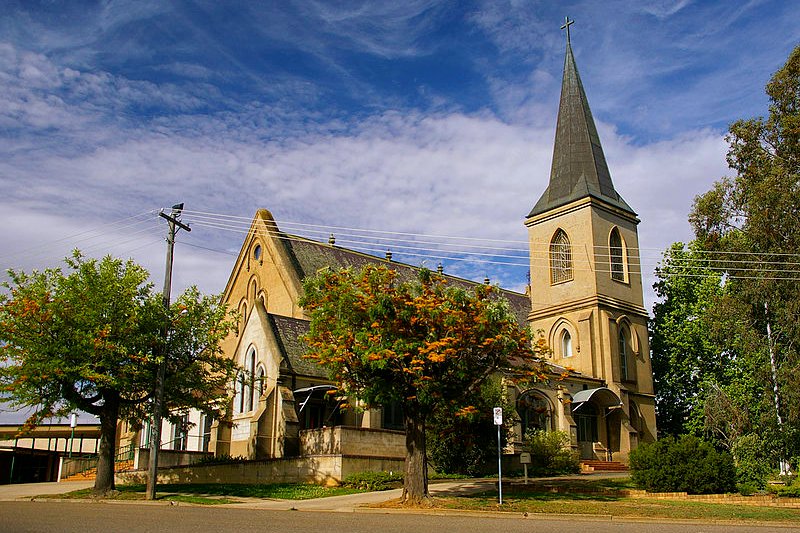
{"x":418,"y":117}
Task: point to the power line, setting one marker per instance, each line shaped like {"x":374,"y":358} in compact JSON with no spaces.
{"x":476,"y":257}
{"x":543,"y":257}
{"x":484,"y":251}
{"x":44,"y":249}
{"x":324,"y":229}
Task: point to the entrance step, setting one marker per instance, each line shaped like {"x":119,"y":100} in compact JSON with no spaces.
{"x":91,"y":473}
{"x":588,"y":466}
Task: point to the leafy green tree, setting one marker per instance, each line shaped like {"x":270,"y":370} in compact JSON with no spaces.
{"x":684,"y":354}
{"x":752,"y":465}
{"x":422,"y":343}
{"x":91,"y":339}
{"x":751,"y":225}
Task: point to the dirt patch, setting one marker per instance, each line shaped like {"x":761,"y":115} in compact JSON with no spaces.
{"x":397,"y":503}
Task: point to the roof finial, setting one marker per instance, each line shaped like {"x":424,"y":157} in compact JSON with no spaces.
{"x":567,"y":24}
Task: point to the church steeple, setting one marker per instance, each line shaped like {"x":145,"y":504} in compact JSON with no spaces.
{"x":579,"y":166}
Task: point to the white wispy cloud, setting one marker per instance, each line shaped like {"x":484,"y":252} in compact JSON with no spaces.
{"x":86,"y":142}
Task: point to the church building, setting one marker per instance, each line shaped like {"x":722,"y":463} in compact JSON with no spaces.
{"x":587,"y":301}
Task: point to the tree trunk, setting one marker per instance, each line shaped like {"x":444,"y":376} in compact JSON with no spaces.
{"x":415,"y":483}
{"x":104,"y":482}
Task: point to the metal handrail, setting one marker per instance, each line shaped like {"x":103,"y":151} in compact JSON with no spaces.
{"x":77,"y":465}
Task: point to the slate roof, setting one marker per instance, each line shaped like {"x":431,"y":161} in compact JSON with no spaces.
{"x":579,"y":167}
{"x":288,"y":332}
{"x":311,"y":256}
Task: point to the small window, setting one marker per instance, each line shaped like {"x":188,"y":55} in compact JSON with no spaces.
{"x":566,"y":344}
{"x":205,"y":436}
{"x":257,"y":252}
{"x":617,"y":254}
{"x":144,"y":439}
{"x":180,"y":433}
{"x":392,"y":417}
{"x":261,"y":377}
{"x":560,"y":258}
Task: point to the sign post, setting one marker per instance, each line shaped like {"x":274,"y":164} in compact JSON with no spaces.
{"x":73,"y":421}
{"x":498,"y":421}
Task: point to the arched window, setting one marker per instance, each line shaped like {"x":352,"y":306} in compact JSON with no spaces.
{"x":238,"y":397}
{"x":250,"y":362}
{"x":635,"y":416}
{"x":534,"y":412}
{"x":617,"y":255}
{"x":261,"y":375}
{"x":566,"y":344}
{"x":560,"y":258}
{"x":623,"y":352}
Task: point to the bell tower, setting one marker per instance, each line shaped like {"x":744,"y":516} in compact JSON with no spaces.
{"x":586,"y":282}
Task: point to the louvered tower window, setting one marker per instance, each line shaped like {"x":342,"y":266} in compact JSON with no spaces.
{"x":560,"y":258}
{"x":616,"y":252}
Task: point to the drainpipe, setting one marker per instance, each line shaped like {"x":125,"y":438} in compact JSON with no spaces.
{"x":609,"y":456}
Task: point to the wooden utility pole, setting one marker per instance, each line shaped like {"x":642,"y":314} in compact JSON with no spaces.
{"x":158,"y":394}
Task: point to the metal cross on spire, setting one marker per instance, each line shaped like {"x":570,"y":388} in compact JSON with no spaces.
{"x":567,"y":24}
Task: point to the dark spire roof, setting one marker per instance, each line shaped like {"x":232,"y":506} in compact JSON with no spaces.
{"x":579,"y":165}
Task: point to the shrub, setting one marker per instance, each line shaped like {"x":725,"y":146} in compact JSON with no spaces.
{"x":373,"y":480}
{"x":752,"y":463}
{"x":791,"y":489}
{"x":223,"y":459}
{"x":687,"y":464}
{"x":550,"y":453}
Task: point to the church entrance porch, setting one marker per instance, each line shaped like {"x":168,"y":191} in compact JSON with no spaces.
{"x":596,"y":415}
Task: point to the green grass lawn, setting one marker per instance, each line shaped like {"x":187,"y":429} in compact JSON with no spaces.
{"x":211,"y":494}
{"x":604,"y":497}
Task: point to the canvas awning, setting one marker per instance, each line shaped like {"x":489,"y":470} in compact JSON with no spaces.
{"x":602,"y":397}
{"x":309,"y":391}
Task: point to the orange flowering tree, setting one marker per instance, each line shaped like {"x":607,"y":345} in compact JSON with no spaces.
{"x":421,"y":343}
{"x":91,"y":340}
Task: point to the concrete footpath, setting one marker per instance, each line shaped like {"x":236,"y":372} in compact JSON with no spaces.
{"x":350,"y":502}
{"x":25,"y":491}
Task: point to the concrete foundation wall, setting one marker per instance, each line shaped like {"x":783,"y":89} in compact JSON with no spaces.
{"x":323,"y":469}
{"x":168,"y":458}
{"x":328,"y":456}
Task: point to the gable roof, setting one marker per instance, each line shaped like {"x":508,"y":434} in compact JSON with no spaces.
{"x":579,"y":167}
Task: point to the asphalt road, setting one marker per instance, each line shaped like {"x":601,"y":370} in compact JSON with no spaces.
{"x":84,"y":517}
